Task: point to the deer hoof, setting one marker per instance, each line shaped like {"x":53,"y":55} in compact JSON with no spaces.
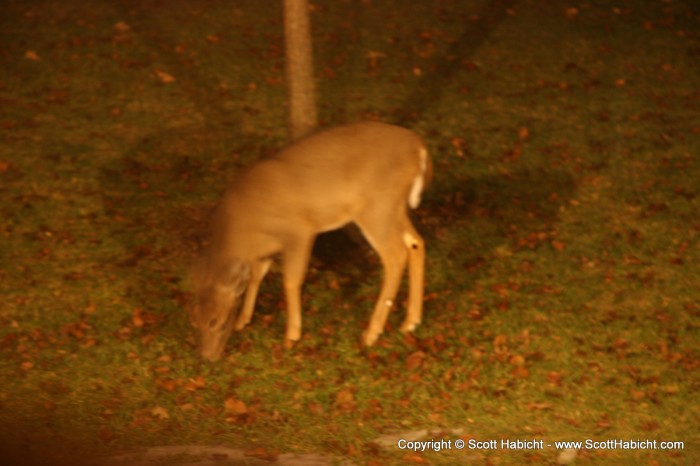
{"x":369,"y":339}
{"x":408,"y":326}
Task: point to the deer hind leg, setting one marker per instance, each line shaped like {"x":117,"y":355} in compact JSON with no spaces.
{"x":416,"y":277}
{"x":390,"y":238}
{"x":257,"y":273}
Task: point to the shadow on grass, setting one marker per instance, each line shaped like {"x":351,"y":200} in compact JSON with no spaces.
{"x":489,"y":211}
{"x":159,"y":36}
{"x":431,"y":87}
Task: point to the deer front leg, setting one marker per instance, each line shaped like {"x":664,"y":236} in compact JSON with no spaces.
{"x":296,"y":261}
{"x":258,"y":271}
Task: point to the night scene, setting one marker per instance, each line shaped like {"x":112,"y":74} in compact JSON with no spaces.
{"x":349,"y":232}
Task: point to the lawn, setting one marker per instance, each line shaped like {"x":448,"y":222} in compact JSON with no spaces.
{"x":563,"y":270}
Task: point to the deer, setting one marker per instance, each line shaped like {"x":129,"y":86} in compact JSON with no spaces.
{"x":366,"y":173}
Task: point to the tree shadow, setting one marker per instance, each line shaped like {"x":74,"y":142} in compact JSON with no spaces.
{"x":432,"y":84}
{"x":191,"y":81}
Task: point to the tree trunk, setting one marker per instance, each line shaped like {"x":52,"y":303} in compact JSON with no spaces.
{"x":299,"y":69}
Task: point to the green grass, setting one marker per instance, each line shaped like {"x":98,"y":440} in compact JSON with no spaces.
{"x":562,"y":229}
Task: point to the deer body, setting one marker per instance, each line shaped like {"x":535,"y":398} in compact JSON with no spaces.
{"x":367,"y":173}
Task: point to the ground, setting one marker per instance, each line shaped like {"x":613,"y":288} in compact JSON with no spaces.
{"x":561,"y":230}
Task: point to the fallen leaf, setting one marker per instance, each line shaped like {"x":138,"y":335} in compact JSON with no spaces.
{"x":195,"y":384}
{"x":558,"y":245}
{"x":459,"y":146}
{"x":414,"y":360}
{"x":345,"y":400}
{"x":122,"y":27}
{"x":137,"y":318}
{"x":517,"y":360}
{"x":160,"y":412}
{"x":164,"y":77}
{"x":234,"y":406}
{"x":414,"y":457}
{"x":315,"y":408}
{"x":500,"y":344}
{"x":670,"y":389}
{"x":649,"y":426}
{"x":169,"y":385}
{"x":373,"y":57}
{"x":515,"y":152}
{"x":571,"y":13}
{"x":604,"y":422}
{"x":538,"y":406}
{"x":31,"y":55}
{"x":555,"y":377}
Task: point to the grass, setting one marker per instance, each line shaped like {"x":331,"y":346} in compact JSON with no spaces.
{"x":562,"y":231}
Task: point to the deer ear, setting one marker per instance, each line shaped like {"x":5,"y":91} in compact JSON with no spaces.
{"x":241,"y":269}
{"x":235,"y":276}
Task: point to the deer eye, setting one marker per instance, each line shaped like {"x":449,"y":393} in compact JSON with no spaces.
{"x":212,"y":323}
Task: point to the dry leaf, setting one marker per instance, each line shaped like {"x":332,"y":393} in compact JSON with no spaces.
{"x":234,"y":406}
{"x":500,"y":344}
{"x":186,"y":407}
{"x":558,"y":245}
{"x":414,"y":457}
{"x":517,"y":360}
{"x":538,"y":406}
{"x":164,"y":77}
{"x":137,"y":318}
{"x":414,"y":360}
{"x":373,"y":57}
{"x":122,"y":27}
{"x":196,"y":383}
{"x":345,"y":400}
{"x":571,"y":13}
{"x":555,"y":378}
{"x":604,"y":422}
{"x":670,"y":389}
{"x":169,"y":385}
{"x":31,"y":55}
{"x":160,"y":412}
